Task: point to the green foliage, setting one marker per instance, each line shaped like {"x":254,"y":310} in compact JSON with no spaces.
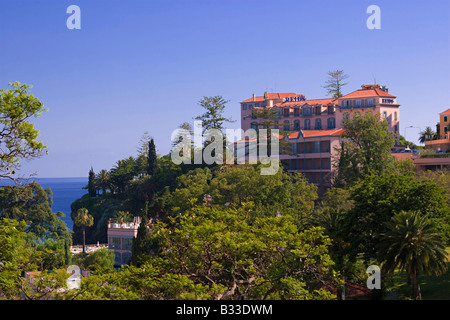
{"x":151,"y":158}
{"x":412,"y":244}
{"x":17,"y":257}
{"x":366,"y":150}
{"x":18,"y":136}
{"x":99,"y":260}
{"x":335,"y":83}
{"x":377,"y":198}
{"x":32,"y":204}
{"x":213,"y":118}
{"x":265,"y":259}
{"x":92,"y":188}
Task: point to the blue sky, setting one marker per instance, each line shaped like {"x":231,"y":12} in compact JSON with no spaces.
{"x":138,"y":66}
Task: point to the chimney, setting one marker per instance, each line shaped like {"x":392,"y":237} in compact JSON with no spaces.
{"x":254,"y":98}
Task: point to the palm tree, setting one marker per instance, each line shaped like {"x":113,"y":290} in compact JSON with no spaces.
{"x":83,"y":219}
{"x":412,"y":244}
{"x":426,"y":135}
{"x":102,"y":180}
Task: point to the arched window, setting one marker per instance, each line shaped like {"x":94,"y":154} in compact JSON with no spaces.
{"x":318,"y":125}
{"x":307,"y":125}
{"x":286,"y":125}
{"x":296,"y":124}
{"x":254,"y":125}
{"x":331,"y":123}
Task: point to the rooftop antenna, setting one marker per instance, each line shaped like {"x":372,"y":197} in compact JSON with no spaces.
{"x":374,"y":79}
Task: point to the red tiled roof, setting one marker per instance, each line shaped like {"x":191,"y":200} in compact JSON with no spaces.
{"x":279,"y":95}
{"x":257,"y":99}
{"x":321,"y":133}
{"x":374,"y":91}
{"x":445,"y":112}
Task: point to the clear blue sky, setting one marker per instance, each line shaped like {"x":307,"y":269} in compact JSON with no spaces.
{"x":139,"y":66}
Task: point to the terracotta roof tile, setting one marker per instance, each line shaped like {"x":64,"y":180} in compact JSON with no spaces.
{"x":445,"y":112}
{"x":362,"y":93}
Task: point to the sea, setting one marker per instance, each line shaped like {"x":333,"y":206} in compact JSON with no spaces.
{"x":65,"y":191}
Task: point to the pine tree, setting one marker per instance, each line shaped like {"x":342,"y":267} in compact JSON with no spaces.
{"x":152,"y":158}
{"x":335,"y":83}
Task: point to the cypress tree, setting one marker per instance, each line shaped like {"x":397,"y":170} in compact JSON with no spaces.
{"x":91,"y":183}
{"x":142,"y":243}
{"x":151,"y":163}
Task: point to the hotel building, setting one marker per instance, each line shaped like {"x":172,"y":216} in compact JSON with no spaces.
{"x":315,"y":125}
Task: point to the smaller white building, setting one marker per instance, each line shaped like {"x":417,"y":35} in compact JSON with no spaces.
{"x":120,"y":239}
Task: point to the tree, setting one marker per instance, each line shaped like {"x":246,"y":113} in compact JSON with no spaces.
{"x":213,"y":118}
{"x":142,"y":244}
{"x":412,"y":244}
{"x":237,"y":259}
{"x":102,"y":180}
{"x":366,"y":149}
{"x":377,"y":199}
{"x":83,"y":219}
{"x":92,"y":188}
{"x":142,"y":148}
{"x":99,"y":260}
{"x":122,"y":173}
{"x":18,"y":137}
{"x":151,"y":158}
{"x":32,"y":204}
{"x":335,"y":83}
{"x":426,"y":135}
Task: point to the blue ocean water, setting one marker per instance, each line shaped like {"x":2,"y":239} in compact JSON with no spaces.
{"x":65,"y":191}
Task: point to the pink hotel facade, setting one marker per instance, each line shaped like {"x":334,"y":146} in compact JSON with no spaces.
{"x":315,"y":126}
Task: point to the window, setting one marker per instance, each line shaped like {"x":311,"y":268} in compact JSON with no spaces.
{"x":358,"y":103}
{"x":296,"y":112}
{"x":286,"y":112}
{"x":296,"y":124}
{"x":250,"y":107}
{"x":127,"y":243}
{"x":114,"y":243}
{"x":307,"y":124}
{"x":275,"y":125}
{"x":256,"y":105}
{"x":318,"y":125}
{"x":254,"y":125}
{"x":286,"y":125}
{"x":318,"y":110}
{"x":331,"y":123}
{"x":370,"y":102}
{"x":445,"y":119}
{"x":385,"y":115}
{"x":316,"y":146}
{"x":307,"y":111}
{"x":395,"y":115}
{"x":346,"y":116}
{"x":244,"y":106}
{"x":330,"y":109}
